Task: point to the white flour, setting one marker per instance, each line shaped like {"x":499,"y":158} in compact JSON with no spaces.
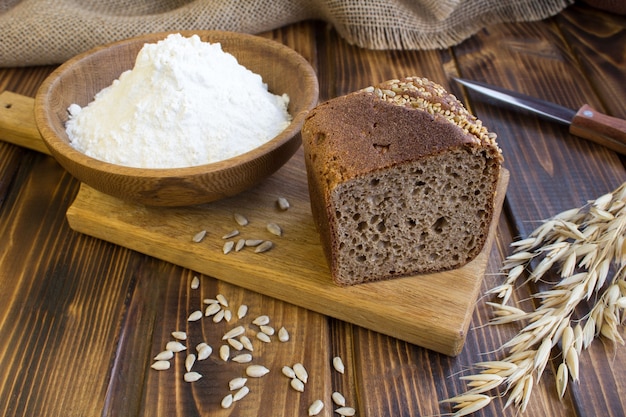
{"x":185,"y":103}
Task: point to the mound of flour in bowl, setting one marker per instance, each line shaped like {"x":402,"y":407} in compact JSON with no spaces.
{"x":185,"y":103}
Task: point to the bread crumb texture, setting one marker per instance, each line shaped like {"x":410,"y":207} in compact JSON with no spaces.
{"x":402,"y":180}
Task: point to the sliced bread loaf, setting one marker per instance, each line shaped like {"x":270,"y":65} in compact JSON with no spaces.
{"x":402,"y":181}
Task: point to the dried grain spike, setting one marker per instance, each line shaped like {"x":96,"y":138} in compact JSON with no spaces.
{"x":338,"y":365}
{"x":195,"y":316}
{"x":197,"y":238}
{"x":175,"y":346}
{"x":241,"y":219}
{"x":234,"y":332}
{"x":301,"y":372}
{"x":161,"y":365}
{"x":178,"y":335}
{"x":264,"y":247}
{"x":195,"y":283}
{"x":256,"y":371}
{"x":274,"y":229}
{"x":316,"y":407}
{"x":338,"y":399}
{"x":345,"y":411}
{"x":191,"y":376}
{"x":227,"y":401}
{"x":283,"y":334}
{"x":243,"y":391}
{"x":242,"y":311}
{"x":166,"y":355}
{"x":297,"y":385}
{"x":237,"y":383}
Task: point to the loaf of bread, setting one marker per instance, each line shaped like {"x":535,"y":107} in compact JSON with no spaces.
{"x":402,"y":180}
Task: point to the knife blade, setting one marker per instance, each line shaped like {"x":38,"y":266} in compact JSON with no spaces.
{"x":585,"y":122}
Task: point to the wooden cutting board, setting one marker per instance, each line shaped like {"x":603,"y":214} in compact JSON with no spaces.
{"x":432,"y":311}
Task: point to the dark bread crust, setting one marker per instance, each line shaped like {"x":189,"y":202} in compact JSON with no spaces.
{"x":383,"y":134}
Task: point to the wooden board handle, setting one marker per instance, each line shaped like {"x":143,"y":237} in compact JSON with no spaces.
{"x":600,"y":128}
{"x":17,"y":122}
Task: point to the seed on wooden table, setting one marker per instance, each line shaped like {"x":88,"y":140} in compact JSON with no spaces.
{"x":210,"y":301}
{"x":241,"y":219}
{"x":268,"y":330}
{"x":189,"y":361}
{"x":283,"y":334}
{"x":230,"y":234}
{"x":195,"y":316}
{"x":228,"y":315}
{"x":338,"y":365}
{"x":256,"y":371}
{"x":245,"y":341}
{"x":263,"y":337}
{"x":178,"y":335}
{"x":224,"y":352}
{"x":253,"y":242}
{"x":297,"y":385}
{"x":283,"y":203}
{"x":301,"y":372}
{"x":195,"y":283}
{"x":242,"y":311}
{"x":222,"y":300}
{"x":243,"y":391}
{"x":204,"y":351}
{"x":197,"y":238}
{"x":264,"y":247}
{"x":339,"y":399}
{"x":175,"y":346}
{"x":235,"y":344}
{"x":161,"y":365}
{"x":234,"y":332}
{"x":316,"y":407}
{"x":261,"y":320}
{"x":166,"y":355}
{"x":241,"y":243}
{"x":191,"y":376}
{"x":288,"y":372}
{"x":228,"y":246}
{"x":236,"y":383}
{"x":212,"y":309}
{"x":219,"y":316}
{"x":274,"y":229}
{"x":242,"y":358}
{"x":345,"y":411}
{"x":227,"y":401}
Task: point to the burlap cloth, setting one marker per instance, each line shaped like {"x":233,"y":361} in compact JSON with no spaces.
{"x":36,"y":32}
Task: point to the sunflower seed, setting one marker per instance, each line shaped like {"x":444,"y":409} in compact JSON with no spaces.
{"x":224,"y":352}
{"x":297,"y":384}
{"x":222,"y":300}
{"x":288,"y":372}
{"x":161,"y":365}
{"x":282,"y":203}
{"x":301,"y":372}
{"x":338,"y":365}
{"x":234,"y":332}
{"x":241,"y":219}
{"x":212,"y":309}
{"x":228,"y":246}
{"x":338,"y":399}
{"x":274,"y":229}
{"x":256,"y":371}
{"x":164,"y":356}
{"x":210,"y":301}
{"x":261,"y":320}
{"x":191,"y":376}
{"x":263,"y":337}
{"x":241,"y":243}
{"x":245,"y":341}
{"x":235,"y":344}
{"x":227,"y":401}
{"x":231,"y":234}
{"x":243,"y":391}
{"x":253,"y":242}
{"x":195,"y":283}
{"x":189,"y":361}
{"x":219,"y":316}
{"x":195,"y":316}
{"x":237,"y":383}
{"x":345,"y":411}
{"x":179,"y":335}
{"x":316,"y":407}
{"x":204,"y":351}
{"x":264,"y":247}
{"x":283,"y":334}
{"x":197,"y":238}
{"x":242,"y":311}
{"x":228,"y":315}
{"x":242,"y":358}
{"x":175,"y":346}
{"x":268,"y":330}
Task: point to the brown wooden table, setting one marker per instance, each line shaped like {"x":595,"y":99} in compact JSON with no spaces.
{"x":81,"y":319}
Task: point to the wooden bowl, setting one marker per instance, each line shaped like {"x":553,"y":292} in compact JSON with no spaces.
{"x":79,"y":79}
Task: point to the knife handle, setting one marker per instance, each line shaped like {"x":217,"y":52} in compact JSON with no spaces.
{"x":598,"y":127}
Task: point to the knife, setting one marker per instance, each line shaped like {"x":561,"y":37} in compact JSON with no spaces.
{"x":586,"y":123}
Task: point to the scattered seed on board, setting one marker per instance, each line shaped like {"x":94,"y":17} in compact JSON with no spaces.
{"x":339,"y":399}
{"x":195,"y":283}
{"x":264,"y":247}
{"x":237,"y":383}
{"x":210,"y":301}
{"x":283,"y":334}
{"x":204,"y":351}
{"x":175,"y":346}
{"x":222,"y":300}
{"x":247,"y":344}
{"x":288,"y":372}
{"x":283,"y":203}
{"x":189,"y":361}
{"x":274,"y":229}
{"x":243,"y":391}
{"x":212,"y":309}
{"x":192,"y":376}
{"x":261,"y":320}
{"x":242,"y":358}
{"x":301,"y":372}
{"x":166,"y":355}
{"x":219,"y":316}
{"x":235,"y":344}
{"x":345,"y":411}
{"x":242,"y":311}
{"x":268,"y":330}
{"x":228,"y":246}
{"x":241,"y":219}
{"x":338,"y":365}
{"x":316,"y":407}
{"x":161,"y":365}
{"x":230,"y":234}
{"x":178,"y":335}
{"x":197,"y":238}
{"x":241,"y":243}
{"x":224,"y":352}
{"x":253,"y":242}
{"x":297,"y":384}
{"x":234,"y":332}
{"x":227,"y":401}
{"x":195,"y":316}
{"x":228,"y":315}
{"x":263,"y":337}
{"x":256,"y":371}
